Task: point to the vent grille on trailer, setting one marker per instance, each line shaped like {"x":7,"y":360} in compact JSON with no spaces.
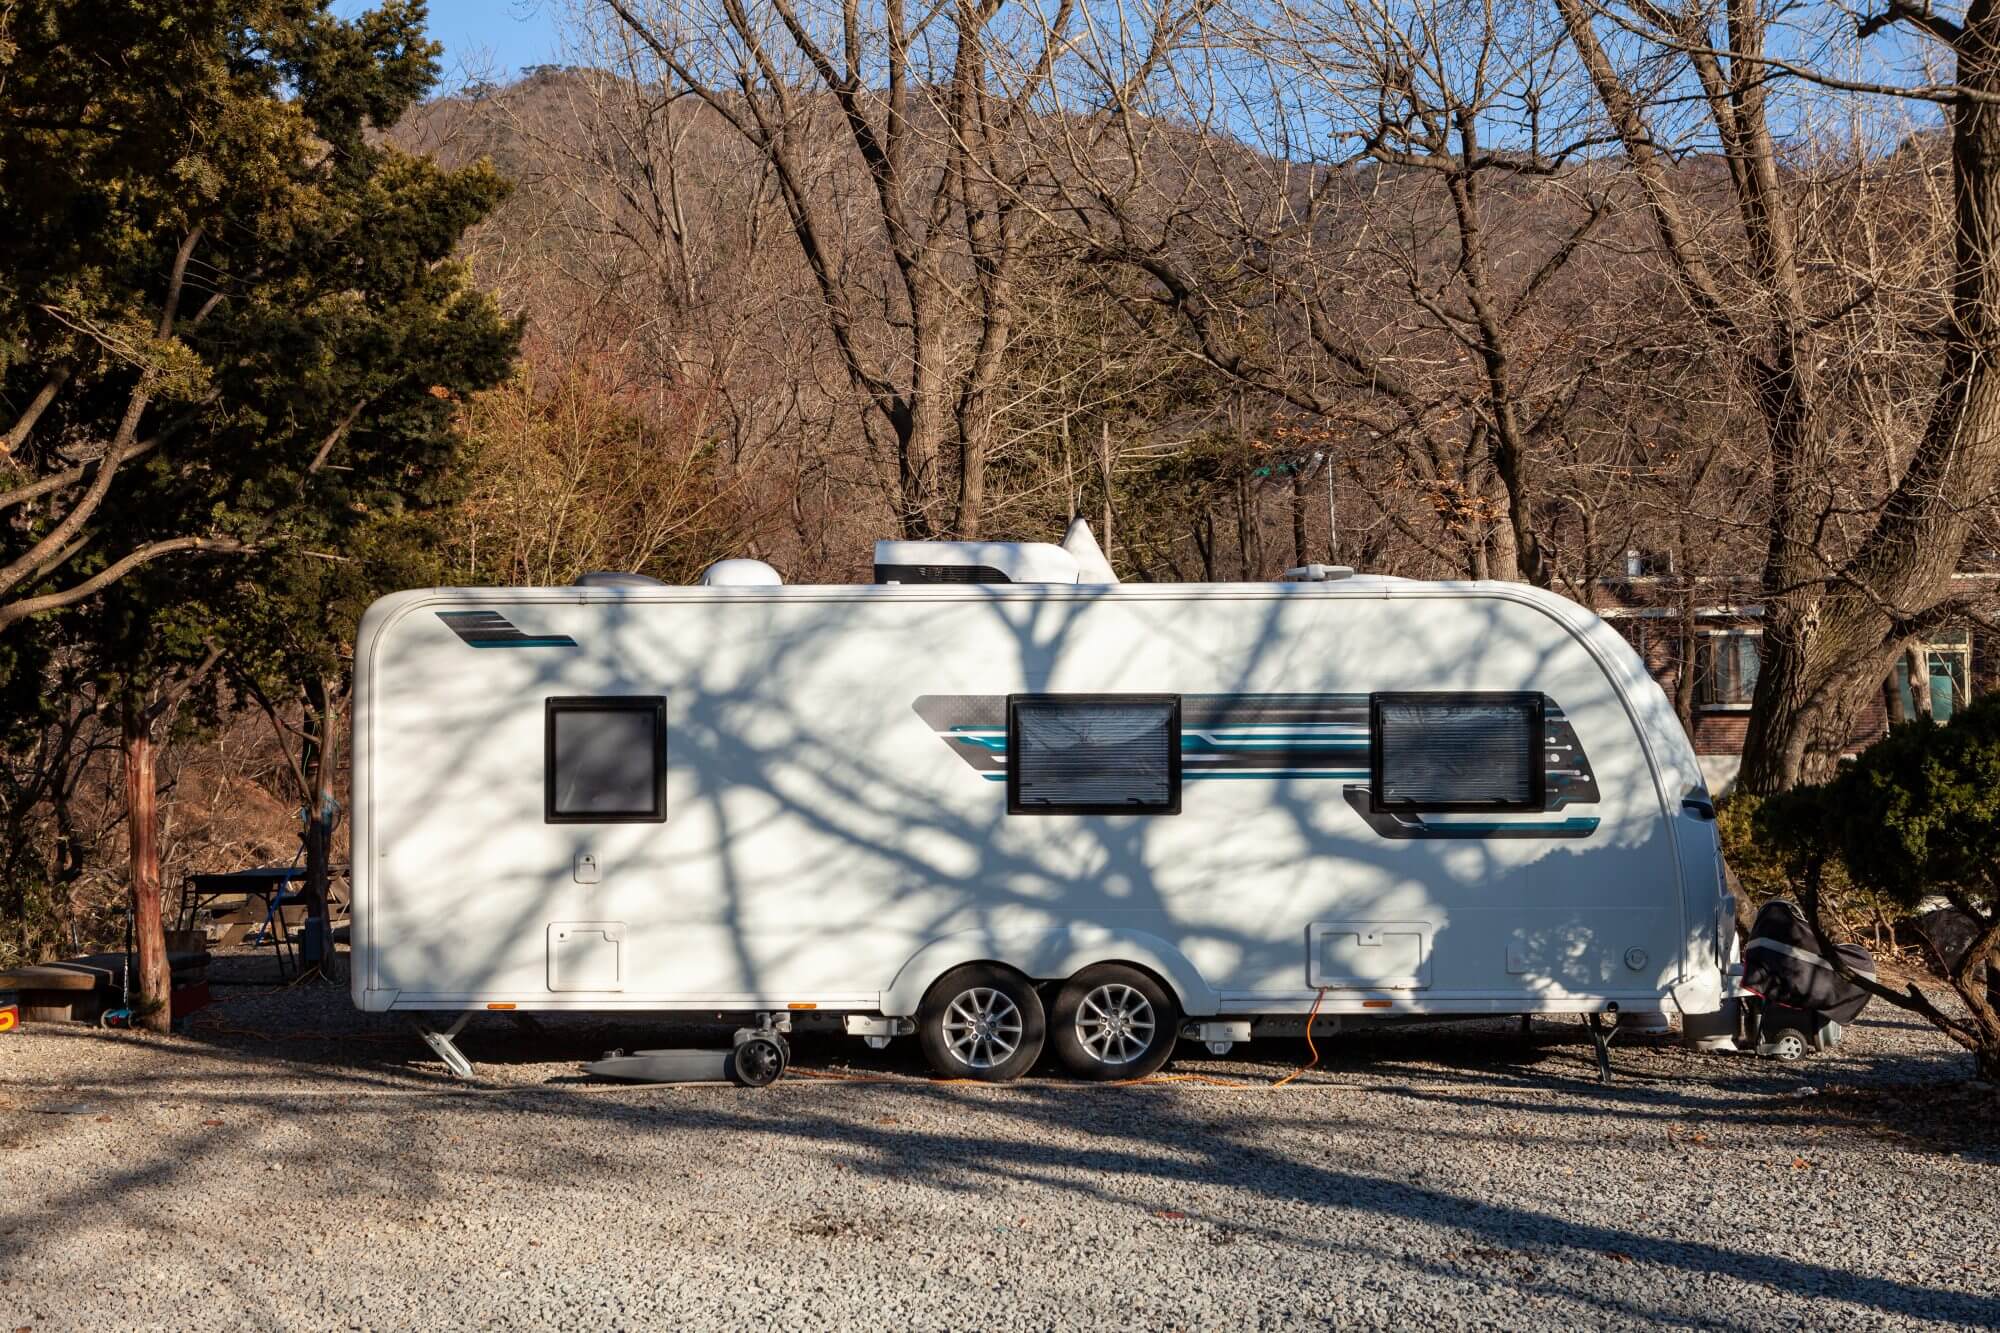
{"x":939,"y":574}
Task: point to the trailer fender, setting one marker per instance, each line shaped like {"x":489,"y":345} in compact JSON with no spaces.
{"x":1049,"y":955}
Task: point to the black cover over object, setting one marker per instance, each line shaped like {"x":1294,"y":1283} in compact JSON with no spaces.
{"x":1784,"y":964}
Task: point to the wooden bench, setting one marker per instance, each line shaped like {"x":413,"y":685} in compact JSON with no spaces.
{"x":79,"y":989}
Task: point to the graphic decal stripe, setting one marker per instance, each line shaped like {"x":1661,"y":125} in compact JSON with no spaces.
{"x":1290,"y":737}
{"x":490,"y":629}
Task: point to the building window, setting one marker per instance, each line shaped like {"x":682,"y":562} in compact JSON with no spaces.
{"x":1726,"y":668}
{"x":1094,"y":754}
{"x":605,"y":760}
{"x":1445,"y":752}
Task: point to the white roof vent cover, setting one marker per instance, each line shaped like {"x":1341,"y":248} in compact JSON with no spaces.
{"x":740,"y":574}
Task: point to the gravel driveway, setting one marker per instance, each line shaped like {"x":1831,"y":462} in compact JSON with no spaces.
{"x":293,"y":1164}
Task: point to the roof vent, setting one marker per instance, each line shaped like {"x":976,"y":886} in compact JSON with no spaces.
{"x":1316,"y":574}
{"x":739,"y":574}
{"x":614,"y":578}
{"x":973,"y":562}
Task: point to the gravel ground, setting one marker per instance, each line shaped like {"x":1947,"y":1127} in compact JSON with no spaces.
{"x":293,"y":1164}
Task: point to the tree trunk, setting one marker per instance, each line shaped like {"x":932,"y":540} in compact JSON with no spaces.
{"x":1249,"y":544}
{"x":319,"y":755}
{"x":917,"y":431}
{"x":1501,"y":538}
{"x":1300,"y":556}
{"x":975,"y":432}
{"x":1825,"y":643}
{"x":1690,"y":660}
{"x":154,"y":981}
{"x":1104,"y":480}
{"x":1917,"y":662}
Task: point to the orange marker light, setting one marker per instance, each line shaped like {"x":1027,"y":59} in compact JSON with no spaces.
{"x":1376,"y":1004}
{"x":801,"y":1006}
{"x":501,"y":1006}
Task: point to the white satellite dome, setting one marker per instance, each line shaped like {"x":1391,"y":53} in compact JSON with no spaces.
{"x":739,"y":574}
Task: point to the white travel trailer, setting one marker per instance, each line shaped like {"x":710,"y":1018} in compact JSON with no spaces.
{"x":996,"y":799}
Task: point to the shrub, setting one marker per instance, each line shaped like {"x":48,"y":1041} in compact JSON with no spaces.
{"x":1916,"y":816}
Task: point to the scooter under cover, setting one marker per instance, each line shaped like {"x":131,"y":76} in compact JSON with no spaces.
{"x":757,"y":1060}
{"x":676,"y":1066}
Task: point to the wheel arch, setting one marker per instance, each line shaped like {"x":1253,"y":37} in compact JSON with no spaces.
{"x":1165,"y":982}
{"x":1055,"y":954}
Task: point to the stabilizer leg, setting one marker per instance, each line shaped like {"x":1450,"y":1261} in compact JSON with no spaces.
{"x":1600,"y":1037}
{"x":445,"y":1049}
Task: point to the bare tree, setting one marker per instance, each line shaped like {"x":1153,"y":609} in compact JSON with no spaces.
{"x":1392,"y":249}
{"x":1847,"y":575}
{"x":910,"y":230}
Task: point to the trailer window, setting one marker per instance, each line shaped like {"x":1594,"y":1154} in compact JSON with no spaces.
{"x":606,"y":760}
{"x":1443,"y":752}
{"x":1101,"y":754}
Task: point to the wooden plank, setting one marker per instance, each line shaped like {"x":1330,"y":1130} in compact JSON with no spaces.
{"x":42,"y":977}
{"x":87,"y":973}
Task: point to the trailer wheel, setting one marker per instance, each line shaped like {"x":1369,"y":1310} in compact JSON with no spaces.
{"x":981,"y":1021}
{"x":1114,"y":1022}
{"x":1789,"y":1044}
{"x":757,"y":1062}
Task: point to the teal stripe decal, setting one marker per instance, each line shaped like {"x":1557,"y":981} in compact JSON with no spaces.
{"x":1575,"y":825}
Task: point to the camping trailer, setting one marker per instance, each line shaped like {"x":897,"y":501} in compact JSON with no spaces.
{"x":997,"y":800}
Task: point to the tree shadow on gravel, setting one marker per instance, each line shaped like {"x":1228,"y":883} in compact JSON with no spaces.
{"x":1341,"y":1146}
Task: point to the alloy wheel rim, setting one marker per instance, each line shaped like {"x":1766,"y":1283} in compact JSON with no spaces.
{"x":1115,"y":1024}
{"x":982,"y":1027}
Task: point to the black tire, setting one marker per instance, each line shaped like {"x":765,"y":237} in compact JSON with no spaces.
{"x":1789,"y":1044}
{"x":758,"y":1062}
{"x":1114,"y":1022}
{"x":983,"y":1022}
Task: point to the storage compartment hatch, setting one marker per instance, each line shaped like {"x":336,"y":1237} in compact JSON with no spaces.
{"x":1369,"y":955}
{"x":586,"y":955}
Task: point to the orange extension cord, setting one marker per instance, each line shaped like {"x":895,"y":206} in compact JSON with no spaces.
{"x":1311,"y":1049}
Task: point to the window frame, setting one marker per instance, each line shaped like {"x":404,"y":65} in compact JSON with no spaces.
{"x":552,"y":706}
{"x":1735,"y":639}
{"x":1538,"y":770}
{"x":1954,"y":655}
{"x":1170,"y":806}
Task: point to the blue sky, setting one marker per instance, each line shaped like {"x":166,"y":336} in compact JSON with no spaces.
{"x":490,"y":38}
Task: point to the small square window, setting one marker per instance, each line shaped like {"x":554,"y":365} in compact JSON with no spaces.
{"x":1447,"y":752}
{"x":605,"y":760}
{"x":1094,"y":754}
